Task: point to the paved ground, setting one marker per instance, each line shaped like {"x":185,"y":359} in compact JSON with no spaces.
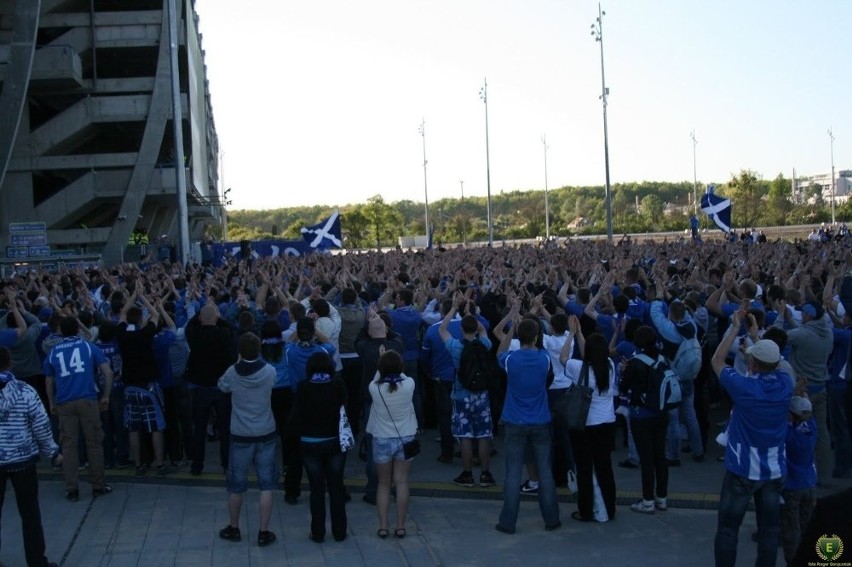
{"x":176,"y":522}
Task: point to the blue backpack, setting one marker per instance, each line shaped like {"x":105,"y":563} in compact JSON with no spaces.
{"x":687,"y":360}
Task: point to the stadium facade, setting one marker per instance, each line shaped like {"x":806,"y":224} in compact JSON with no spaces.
{"x":87,"y":154}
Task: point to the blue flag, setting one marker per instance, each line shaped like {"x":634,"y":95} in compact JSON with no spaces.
{"x":324,"y":234}
{"x":717,"y":208}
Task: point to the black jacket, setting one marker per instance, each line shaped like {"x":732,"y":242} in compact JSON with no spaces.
{"x":211,"y":351}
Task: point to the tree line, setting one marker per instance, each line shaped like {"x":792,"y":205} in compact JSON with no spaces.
{"x":645,"y":206}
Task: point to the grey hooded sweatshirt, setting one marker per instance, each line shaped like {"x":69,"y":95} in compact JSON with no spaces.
{"x":810,"y":346}
{"x":250,"y":385}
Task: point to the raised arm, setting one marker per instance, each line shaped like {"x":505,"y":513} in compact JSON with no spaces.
{"x":718,"y":360}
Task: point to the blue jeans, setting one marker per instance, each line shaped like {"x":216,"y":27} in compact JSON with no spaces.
{"x":324,"y":464}
{"x":736,"y":493}
{"x":242,"y":455}
{"x":684,"y":413}
{"x":518,"y":437}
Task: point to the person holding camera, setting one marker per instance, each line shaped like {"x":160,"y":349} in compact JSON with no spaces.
{"x":393,"y":425}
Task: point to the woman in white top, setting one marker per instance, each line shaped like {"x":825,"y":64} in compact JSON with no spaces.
{"x":594,"y":445}
{"x":392,"y":422}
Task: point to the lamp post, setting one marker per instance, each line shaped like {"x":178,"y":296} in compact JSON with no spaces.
{"x":177,"y":133}
{"x":483,"y":94}
{"x":464,"y":217}
{"x":597,"y":32}
{"x":546,"y":203}
{"x":425,"y":187}
{"x":831,"y":139}
{"x":694,"y":175}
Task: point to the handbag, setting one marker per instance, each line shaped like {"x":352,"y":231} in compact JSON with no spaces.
{"x":411,"y":448}
{"x":571,"y":409}
{"x":347,"y":440}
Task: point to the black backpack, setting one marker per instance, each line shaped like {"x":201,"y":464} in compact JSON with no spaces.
{"x":476,"y":366}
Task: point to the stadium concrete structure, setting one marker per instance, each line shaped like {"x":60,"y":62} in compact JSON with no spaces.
{"x":87,"y":152}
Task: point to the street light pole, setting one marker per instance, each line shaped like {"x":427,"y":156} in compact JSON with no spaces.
{"x":464,"y":218}
{"x":425,"y":188}
{"x":177,"y":133}
{"x":831,"y":138}
{"x":483,"y":94}
{"x":694,"y":174}
{"x":546,"y":203}
{"x":597,"y":32}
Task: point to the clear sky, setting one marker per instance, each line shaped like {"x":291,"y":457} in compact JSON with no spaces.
{"x":320,"y":101}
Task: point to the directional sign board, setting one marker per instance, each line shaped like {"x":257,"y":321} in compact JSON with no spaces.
{"x":27,"y":227}
{"x":28,"y":240}
{"x":38,"y":251}
{"x":25,"y":239}
{"x":16,"y":252}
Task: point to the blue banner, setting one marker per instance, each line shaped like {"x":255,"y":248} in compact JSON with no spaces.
{"x":260,"y":249}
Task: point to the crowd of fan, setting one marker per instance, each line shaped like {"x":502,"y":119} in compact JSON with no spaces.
{"x":168,"y":333}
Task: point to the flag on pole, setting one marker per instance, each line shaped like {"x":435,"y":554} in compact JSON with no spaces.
{"x":324,"y":234}
{"x":431,"y":232}
{"x":717,"y":208}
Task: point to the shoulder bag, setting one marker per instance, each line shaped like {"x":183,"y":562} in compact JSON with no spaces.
{"x":572,"y":408}
{"x":410,"y":449}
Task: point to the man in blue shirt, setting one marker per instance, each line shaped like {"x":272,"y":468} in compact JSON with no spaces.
{"x":526,"y":416}
{"x":436,"y":361}
{"x":755,"y":458}
{"x":71,"y":389}
{"x":471,"y":418}
{"x":407,"y":322}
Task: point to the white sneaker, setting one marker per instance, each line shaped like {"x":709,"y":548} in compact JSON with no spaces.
{"x":661,"y":504}
{"x":643,"y":507}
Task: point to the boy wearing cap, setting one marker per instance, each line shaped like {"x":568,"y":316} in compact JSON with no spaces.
{"x":810,"y":348}
{"x":800,"y":485}
{"x":755,"y":460}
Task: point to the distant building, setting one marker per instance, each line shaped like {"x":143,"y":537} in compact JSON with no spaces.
{"x":92,"y":158}
{"x":803,"y":187}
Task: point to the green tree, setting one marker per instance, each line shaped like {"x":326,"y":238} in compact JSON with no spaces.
{"x":384,"y":220}
{"x":778,"y":200}
{"x":651,"y":209}
{"x":746,"y":197}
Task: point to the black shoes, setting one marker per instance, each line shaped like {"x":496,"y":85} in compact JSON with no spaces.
{"x":264,"y":538}
{"x":628,"y":464}
{"x":72,"y":495}
{"x":103,"y":491}
{"x":233,"y":534}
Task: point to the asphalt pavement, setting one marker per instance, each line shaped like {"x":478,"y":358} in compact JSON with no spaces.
{"x":175,"y":521}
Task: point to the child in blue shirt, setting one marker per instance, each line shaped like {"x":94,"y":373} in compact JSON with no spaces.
{"x":800,"y":486}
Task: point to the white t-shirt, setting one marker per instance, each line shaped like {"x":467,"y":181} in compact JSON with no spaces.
{"x":602,"y":409}
{"x":553,"y":345}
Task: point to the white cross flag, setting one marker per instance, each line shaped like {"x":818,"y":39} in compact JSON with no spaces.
{"x":717,"y":208}
{"x":324,"y":234}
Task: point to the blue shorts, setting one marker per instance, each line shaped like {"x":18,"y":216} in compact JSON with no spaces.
{"x":387,"y":449}
{"x":242,"y":455}
{"x":143,"y":409}
{"x":472,"y":417}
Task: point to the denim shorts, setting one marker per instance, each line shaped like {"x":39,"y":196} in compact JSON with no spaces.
{"x":242,"y":455}
{"x":472,"y":417}
{"x":387,"y":449}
